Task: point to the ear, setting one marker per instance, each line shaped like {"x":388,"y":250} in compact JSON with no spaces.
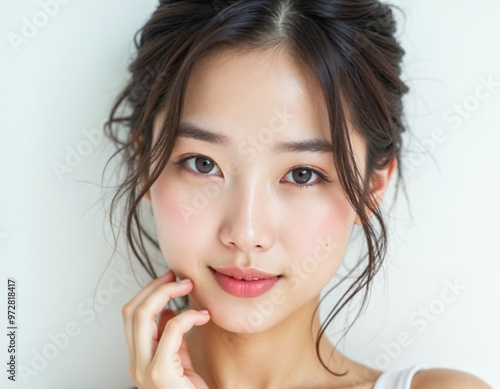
{"x":147,"y":196}
{"x":378,"y":185}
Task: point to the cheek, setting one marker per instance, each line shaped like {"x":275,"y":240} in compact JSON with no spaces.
{"x":318,"y":232}
{"x":185,"y":222}
{"x":177,"y":224}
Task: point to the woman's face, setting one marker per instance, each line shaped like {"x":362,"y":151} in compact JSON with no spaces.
{"x":246,"y":198}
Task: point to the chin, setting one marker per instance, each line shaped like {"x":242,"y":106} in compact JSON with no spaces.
{"x":243,"y":324}
{"x":241,"y":317}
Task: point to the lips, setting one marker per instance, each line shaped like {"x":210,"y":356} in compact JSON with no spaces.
{"x":244,"y":282}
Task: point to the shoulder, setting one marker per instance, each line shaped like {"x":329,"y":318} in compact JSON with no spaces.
{"x":447,"y":379}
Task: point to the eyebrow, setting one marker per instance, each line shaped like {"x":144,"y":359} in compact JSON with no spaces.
{"x":312,"y":145}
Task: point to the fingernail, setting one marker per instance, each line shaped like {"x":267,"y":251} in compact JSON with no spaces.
{"x":204,"y":311}
{"x":184,"y":281}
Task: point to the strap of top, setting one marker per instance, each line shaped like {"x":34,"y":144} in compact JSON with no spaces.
{"x":398,"y":379}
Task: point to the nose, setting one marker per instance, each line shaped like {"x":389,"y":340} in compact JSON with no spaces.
{"x":247,"y":222}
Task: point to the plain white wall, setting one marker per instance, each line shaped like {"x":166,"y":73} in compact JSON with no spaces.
{"x":57,"y":89}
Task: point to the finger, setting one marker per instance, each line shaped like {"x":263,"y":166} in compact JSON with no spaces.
{"x":145,"y":324}
{"x":165,"y":316}
{"x":169,"y":276}
{"x":129,"y":308}
{"x":167,"y":354}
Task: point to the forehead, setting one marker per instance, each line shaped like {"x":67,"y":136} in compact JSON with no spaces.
{"x":238,"y":92}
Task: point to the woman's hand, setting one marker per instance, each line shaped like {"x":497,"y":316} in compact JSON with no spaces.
{"x":158,"y":352}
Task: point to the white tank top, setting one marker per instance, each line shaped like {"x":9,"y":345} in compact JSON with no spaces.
{"x":397,"y":379}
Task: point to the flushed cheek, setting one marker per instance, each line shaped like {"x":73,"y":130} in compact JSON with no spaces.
{"x":181,"y":228}
{"x":319,"y":230}
{"x":319,"y":250}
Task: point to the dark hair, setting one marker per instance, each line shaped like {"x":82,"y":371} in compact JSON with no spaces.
{"x":348,"y":46}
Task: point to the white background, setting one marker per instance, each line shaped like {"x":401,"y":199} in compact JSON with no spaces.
{"x":53,"y":238}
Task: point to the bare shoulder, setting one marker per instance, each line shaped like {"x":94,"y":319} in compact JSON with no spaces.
{"x":447,"y":379}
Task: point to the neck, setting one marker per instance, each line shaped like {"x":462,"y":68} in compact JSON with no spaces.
{"x":281,"y":356}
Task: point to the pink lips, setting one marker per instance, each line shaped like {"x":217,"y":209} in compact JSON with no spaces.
{"x":244,"y":282}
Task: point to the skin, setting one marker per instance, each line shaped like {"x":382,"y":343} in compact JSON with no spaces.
{"x":256,"y":215}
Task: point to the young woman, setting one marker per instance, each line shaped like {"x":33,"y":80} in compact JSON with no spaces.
{"x":261,"y":132}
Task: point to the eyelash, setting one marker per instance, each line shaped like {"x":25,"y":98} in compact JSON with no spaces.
{"x":322,"y":177}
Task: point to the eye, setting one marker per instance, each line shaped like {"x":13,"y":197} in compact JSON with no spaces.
{"x":202,"y":165}
{"x":198,"y":164}
{"x":302,"y":175}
